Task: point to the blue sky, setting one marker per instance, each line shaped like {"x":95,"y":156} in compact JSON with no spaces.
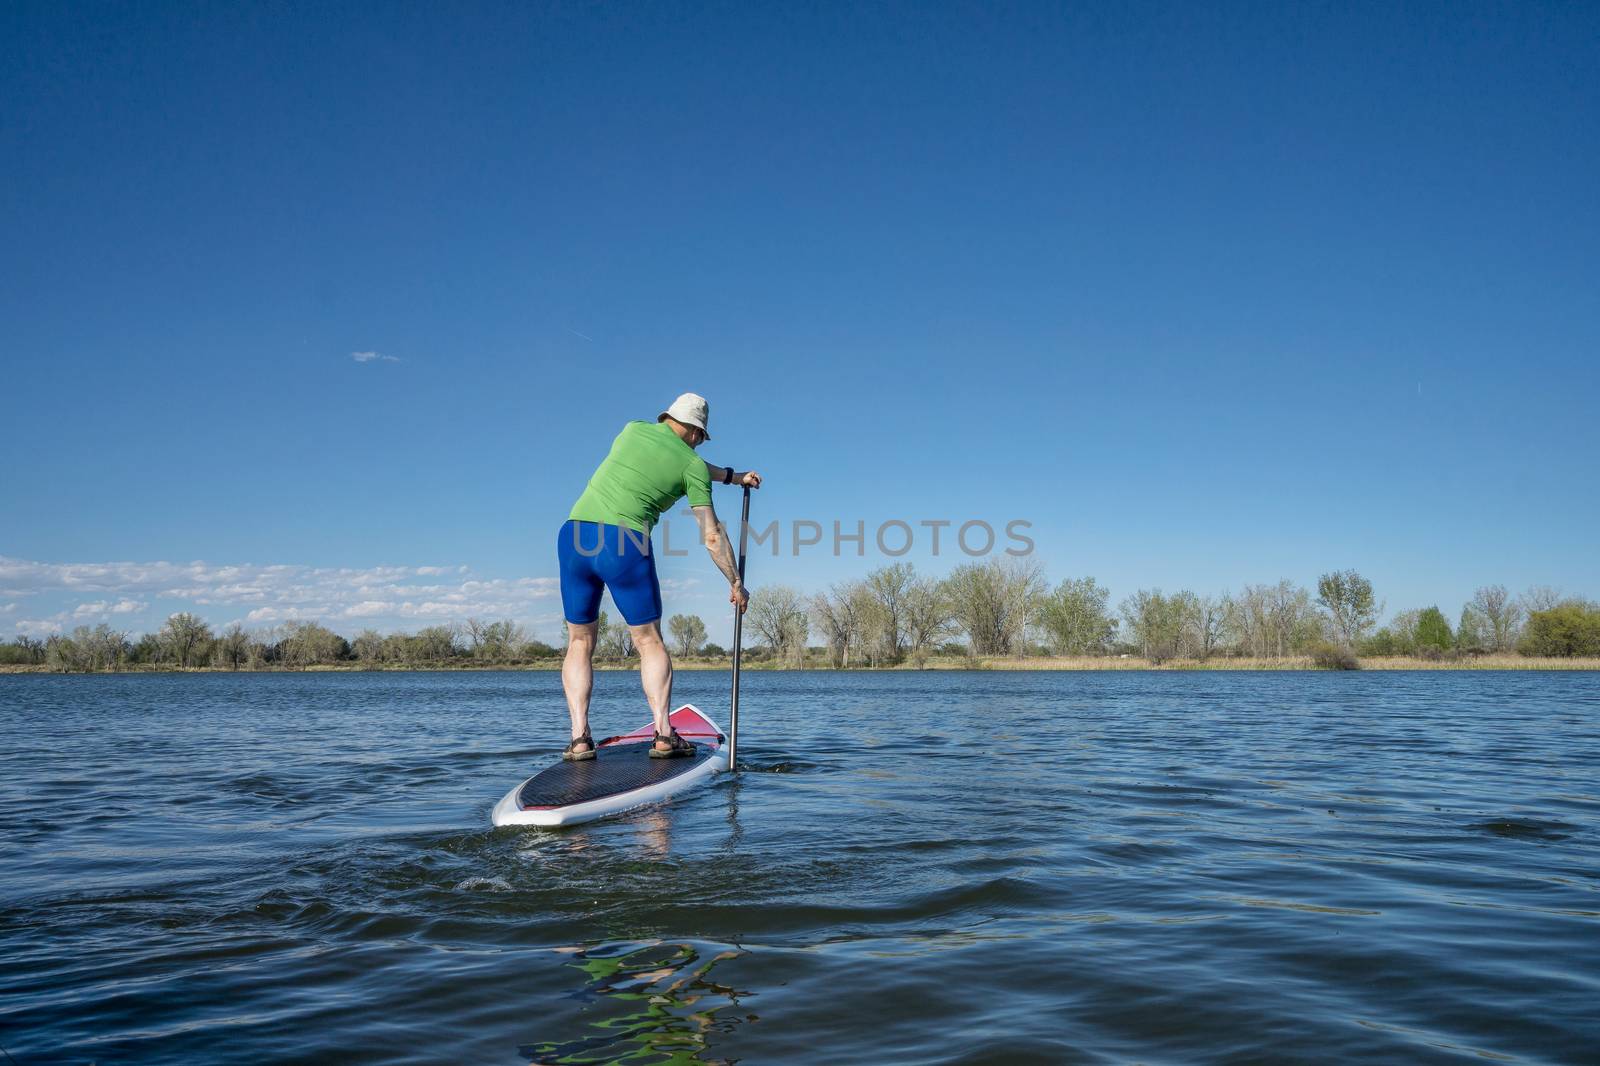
{"x":1207,"y":296}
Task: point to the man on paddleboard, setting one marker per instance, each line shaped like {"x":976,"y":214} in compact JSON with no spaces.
{"x":605,"y":545}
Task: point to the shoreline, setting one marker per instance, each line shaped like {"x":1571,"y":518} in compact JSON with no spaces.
{"x":1084,"y":664}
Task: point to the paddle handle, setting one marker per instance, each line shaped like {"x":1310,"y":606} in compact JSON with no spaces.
{"x":738,"y":635}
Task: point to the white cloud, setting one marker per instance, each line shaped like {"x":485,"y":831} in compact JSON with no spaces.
{"x":7,"y":608}
{"x":32,"y":627}
{"x":380,"y":596}
{"x":105,"y":608}
{"x":371,"y":357}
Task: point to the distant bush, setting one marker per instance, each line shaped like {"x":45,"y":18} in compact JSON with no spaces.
{"x":307,"y":643}
{"x":15,"y":655}
{"x":1567,"y":629}
{"x":1326,"y":656}
{"x":1383,"y":643}
{"x":147,"y":651}
{"x":714,"y":651}
{"x":1433,"y":631}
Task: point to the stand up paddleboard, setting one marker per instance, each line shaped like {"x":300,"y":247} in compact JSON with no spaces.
{"x":620,"y":776}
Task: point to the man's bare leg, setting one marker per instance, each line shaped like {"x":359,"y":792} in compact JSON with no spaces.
{"x":655,"y":672}
{"x":577,"y":674}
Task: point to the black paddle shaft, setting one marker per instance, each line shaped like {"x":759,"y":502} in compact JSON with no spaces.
{"x":738,"y":634}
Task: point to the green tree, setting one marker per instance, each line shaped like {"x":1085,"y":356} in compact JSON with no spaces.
{"x":500,"y":640}
{"x":1567,"y":629}
{"x":1155,"y":622}
{"x":993,"y":602}
{"x":537,"y":649}
{"x":369,"y":646}
{"x":688,"y":632}
{"x":1433,"y":630}
{"x":1075,"y":618}
{"x":63,"y":653}
{"x":1382,"y":643}
{"x":1351,"y":607}
{"x":433,"y":644}
{"x":32,"y":647}
{"x":1186,"y":607}
{"x":148,"y":650}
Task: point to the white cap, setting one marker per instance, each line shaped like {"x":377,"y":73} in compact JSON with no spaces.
{"x":691,"y":409}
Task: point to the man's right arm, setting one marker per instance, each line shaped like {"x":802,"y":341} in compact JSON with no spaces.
{"x":721,"y":475}
{"x":715,"y":538}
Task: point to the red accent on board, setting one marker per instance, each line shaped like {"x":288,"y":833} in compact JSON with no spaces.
{"x":690,"y":724}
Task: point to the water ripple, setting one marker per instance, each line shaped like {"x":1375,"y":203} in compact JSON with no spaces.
{"x":931,"y":868}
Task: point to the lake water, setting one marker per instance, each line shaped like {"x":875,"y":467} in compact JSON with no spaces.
{"x":912,"y":867}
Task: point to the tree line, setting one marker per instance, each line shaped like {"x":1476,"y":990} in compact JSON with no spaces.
{"x":1007,"y":608}
{"x":187,"y":641}
{"x":895,"y":615}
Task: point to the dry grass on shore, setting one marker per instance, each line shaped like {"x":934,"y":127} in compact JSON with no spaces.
{"x":1482,"y":662}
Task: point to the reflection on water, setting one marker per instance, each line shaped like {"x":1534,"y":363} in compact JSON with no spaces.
{"x":648,"y":1003}
{"x":654,"y":829}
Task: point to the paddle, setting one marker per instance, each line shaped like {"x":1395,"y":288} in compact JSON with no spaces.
{"x":738,"y":632}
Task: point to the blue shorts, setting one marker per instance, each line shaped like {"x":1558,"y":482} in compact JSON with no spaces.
{"x":596,"y":556}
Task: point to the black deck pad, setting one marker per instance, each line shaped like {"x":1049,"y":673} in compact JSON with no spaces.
{"x":619,"y":768}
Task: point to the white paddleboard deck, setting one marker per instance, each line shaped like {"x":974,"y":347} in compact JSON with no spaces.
{"x":620,"y":777}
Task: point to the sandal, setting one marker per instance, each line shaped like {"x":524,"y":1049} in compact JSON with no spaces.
{"x":678,"y":750}
{"x":572,"y":754}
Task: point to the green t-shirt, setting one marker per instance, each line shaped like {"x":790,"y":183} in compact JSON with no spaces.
{"x":649,"y":469}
